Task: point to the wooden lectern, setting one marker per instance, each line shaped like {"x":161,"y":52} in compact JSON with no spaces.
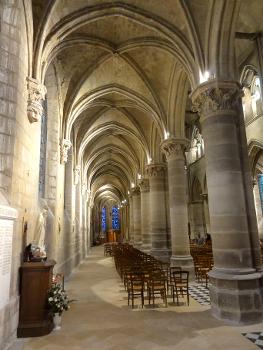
{"x":34,"y":317}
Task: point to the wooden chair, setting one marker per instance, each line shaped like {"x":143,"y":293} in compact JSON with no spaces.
{"x":170,"y":280}
{"x":157,"y":285}
{"x":135,"y":287}
{"x":180,"y":286}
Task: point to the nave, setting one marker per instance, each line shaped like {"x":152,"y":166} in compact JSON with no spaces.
{"x":99,"y":319}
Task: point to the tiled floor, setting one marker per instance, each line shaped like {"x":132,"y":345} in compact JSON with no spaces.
{"x":200,"y":293}
{"x":100,"y":319}
{"x":255,"y":337}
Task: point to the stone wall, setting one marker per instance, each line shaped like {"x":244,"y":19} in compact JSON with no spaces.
{"x":20,"y":156}
{"x":19,"y":145}
{"x":63,"y":197}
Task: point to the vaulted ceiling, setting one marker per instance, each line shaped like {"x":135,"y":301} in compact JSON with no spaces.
{"x":125,"y":70}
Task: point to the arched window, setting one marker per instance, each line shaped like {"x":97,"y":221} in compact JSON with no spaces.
{"x":252,"y":99}
{"x":115,"y":218}
{"x":197,"y":146}
{"x":260,"y":187}
{"x":103,"y":220}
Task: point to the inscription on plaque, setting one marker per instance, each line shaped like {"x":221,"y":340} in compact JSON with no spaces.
{"x":6,"y":236}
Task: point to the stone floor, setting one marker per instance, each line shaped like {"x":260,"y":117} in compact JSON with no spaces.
{"x":100,"y":319}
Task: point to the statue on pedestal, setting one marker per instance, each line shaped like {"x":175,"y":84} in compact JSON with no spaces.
{"x":38,"y":248}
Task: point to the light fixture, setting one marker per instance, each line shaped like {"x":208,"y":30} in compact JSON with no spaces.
{"x":139,"y":176}
{"x":166,"y":135}
{"x":203,"y":77}
{"x":132,"y":185}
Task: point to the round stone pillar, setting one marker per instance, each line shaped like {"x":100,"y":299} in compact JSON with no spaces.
{"x":174,"y":151}
{"x":235,"y":289}
{"x":136,"y":199}
{"x":131,"y":233}
{"x":158,"y":227}
{"x":145,"y":216}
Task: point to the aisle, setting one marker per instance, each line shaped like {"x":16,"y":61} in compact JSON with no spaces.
{"x":100,"y":319}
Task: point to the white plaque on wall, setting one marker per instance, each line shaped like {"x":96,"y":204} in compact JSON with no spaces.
{"x":7,"y":217}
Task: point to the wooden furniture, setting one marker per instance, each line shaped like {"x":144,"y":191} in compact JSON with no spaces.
{"x":180,"y":287}
{"x":157,"y":285}
{"x":34,"y":317}
{"x":135,"y":287}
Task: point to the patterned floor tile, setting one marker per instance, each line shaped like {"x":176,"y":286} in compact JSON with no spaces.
{"x":200,"y":294}
{"x":255,"y":337}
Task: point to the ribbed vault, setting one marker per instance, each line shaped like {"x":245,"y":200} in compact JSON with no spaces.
{"x":125,"y":70}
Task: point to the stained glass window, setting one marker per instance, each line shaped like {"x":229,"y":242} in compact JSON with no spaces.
{"x":260,"y":186}
{"x":103,"y":219}
{"x":115,"y":218}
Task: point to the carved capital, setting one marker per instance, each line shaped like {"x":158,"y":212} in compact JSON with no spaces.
{"x":36,"y":94}
{"x":155,"y":170}
{"x":64,"y":148}
{"x":76,"y":174}
{"x":144,"y":185}
{"x":135,"y":191}
{"x":214,"y":96}
{"x":174,"y":147}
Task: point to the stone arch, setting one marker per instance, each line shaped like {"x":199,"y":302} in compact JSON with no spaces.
{"x":63,"y":29}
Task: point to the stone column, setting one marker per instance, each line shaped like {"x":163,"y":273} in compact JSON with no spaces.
{"x":235,"y":290}
{"x":131,"y":233}
{"x":136,"y":199}
{"x":158,"y":227}
{"x":145,"y":215}
{"x":174,"y":150}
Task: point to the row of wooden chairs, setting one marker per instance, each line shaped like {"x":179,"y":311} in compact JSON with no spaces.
{"x":203,"y":262}
{"x":144,"y":276}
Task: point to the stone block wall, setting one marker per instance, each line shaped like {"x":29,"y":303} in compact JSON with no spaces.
{"x":20,"y":156}
{"x":19,"y":147}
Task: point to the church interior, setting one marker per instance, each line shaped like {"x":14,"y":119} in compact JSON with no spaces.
{"x":131,"y":138}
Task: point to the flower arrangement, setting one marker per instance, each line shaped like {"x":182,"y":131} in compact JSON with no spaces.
{"x":57,"y":299}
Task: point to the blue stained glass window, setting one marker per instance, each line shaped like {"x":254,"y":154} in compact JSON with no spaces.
{"x":103,"y":219}
{"x":115,"y":218}
{"x":260,"y":186}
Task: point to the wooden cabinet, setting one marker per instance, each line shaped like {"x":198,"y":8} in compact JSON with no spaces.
{"x":34,"y":317}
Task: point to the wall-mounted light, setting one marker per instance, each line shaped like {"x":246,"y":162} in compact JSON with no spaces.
{"x":139,"y":176}
{"x":205,"y":76}
{"x":166,"y":135}
{"x":132,"y":185}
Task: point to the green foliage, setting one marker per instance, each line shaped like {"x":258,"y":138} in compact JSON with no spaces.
{"x":57,"y":299}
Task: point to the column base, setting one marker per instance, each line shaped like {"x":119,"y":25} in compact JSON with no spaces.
{"x":236,"y":299}
{"x":186,"y":263}
{"x":161,"y":254}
